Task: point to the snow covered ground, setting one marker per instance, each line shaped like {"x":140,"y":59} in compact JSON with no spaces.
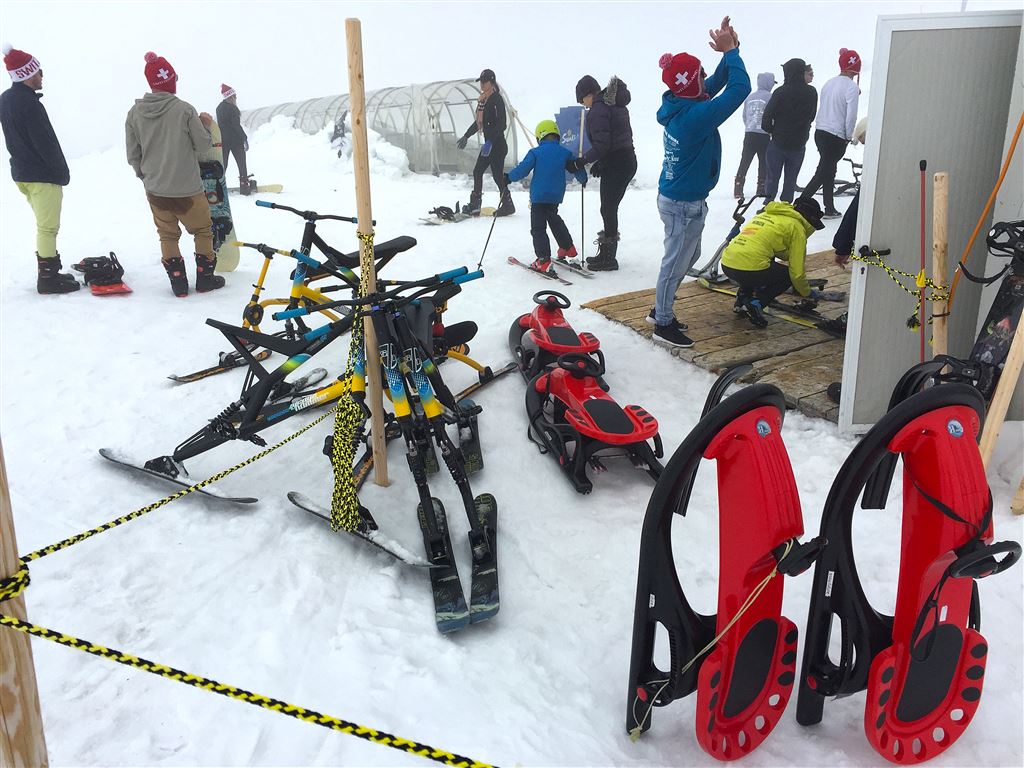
{"x":266,"y":598}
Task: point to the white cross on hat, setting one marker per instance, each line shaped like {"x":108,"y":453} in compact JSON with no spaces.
{"x":163,"y":73}
{"x":682,"y":79}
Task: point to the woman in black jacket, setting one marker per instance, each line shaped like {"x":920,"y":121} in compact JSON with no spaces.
{"x":491,"y":121}
{"x":787,"y":119}
{"x":613,"y":158}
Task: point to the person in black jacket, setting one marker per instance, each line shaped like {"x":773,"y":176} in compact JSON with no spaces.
{"x":491,"y":121}
{"x":787,"y":118}
{"x":614,"y":160}
{"x":38,"y":166}
{"x":232,"y":138}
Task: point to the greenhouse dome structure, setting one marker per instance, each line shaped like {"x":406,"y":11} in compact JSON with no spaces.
{"x":424,"y":120}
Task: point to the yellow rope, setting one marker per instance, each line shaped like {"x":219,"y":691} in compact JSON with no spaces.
{"x":921,"y":281}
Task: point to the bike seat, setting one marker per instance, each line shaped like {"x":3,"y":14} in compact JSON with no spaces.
{"x":265,"y":340}
{"x":381,"y":251}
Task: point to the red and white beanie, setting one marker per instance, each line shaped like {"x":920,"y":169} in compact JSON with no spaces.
{"x":681,"y":73}
{"x":20,"y":65}
{"x":160,"y":74}
{"x":849,"y":60}
{"x":226,"y":91}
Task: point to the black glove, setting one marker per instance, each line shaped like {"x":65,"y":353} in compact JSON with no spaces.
{"x":575,"y":165}
{"x":461,"y":143}
{"x":595,"y":170}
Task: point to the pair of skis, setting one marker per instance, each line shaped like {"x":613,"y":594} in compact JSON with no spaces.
{"x":792,"y":313}
{"x":582,"y":271}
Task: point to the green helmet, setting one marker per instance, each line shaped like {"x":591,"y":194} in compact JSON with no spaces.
{"x":546,"y":128}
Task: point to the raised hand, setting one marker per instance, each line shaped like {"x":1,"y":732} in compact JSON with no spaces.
{"x":724,"y":38}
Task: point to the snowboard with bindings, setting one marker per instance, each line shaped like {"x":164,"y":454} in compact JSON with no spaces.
{"x":103,"y":275}
{"x":262,"y":189}
{"x":445,"y":215}
{"x":212,"y":173}
{"x":1001,"y":323}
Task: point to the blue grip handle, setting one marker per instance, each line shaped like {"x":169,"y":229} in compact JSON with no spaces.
{"x":284,"y":315}
{"x":264,"y":204}
{"x":305,"y":259}
{"x":466,"y":278}
{"x":452,"y":273}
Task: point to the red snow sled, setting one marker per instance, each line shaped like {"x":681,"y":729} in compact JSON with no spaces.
{"x":103,"y":275}
{"x":742,"y":660}
{"x":537,"y":339}
{"x":924,"y":667}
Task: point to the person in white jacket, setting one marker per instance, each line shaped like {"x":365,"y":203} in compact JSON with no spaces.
{"x":833,"y":130}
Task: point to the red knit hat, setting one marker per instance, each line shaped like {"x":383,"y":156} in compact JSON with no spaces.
{"x":160,"y":74}
{"x":849,"y":60}
{"x":681,"y":73}
{"x":226,"y":91}
{"x":20,"y":65}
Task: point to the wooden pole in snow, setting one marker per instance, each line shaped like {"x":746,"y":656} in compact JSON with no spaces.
{"x":940,"y":248}
{"x":21,"y":724}
{"x":361,"y":168}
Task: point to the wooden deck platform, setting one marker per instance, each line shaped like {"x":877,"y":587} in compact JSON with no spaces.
{"x":800,"y":361}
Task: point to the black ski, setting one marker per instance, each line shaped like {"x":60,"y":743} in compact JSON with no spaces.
{"x":518,"y":263}
{"x":572,"y":267}
{"x":124,"y":460}
{"x":450,"y":610}
{"x":484,"y":589}
{"x":469,"y":439}
{"x":228,"y":361}
{"x":367,"y":530}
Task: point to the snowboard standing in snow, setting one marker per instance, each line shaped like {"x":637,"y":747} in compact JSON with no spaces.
{"x":212,"y":173}
{"x":445,"y":215}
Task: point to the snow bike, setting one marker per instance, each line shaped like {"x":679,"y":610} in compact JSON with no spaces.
{"x":537,"y":339}
{"x":711,"y":271}
{"x":741,"y":660}
{"x":573,"y":418}
{"x":923,"y":667}
{"x":842,"y":187}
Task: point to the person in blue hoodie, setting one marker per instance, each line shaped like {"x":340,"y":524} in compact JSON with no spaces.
{"x":691,"y":113}
{"x":548,"y":162}
{"x":755,"y":139}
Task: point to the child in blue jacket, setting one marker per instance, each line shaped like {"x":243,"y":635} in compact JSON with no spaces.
{"x":548,"y":161}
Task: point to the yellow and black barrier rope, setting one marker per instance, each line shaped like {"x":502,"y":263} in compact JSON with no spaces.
{"x":239,"y":694}
{"x":921,"y":281}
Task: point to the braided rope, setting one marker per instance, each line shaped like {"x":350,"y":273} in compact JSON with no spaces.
{"x":921,"y":282}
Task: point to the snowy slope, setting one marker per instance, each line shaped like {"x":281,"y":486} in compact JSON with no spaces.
{"x":267,"y":598}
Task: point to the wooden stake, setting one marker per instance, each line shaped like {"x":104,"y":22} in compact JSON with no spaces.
{"x":1001,"y":399}
{"x":361,"y":167}
{"x":21,"y":724}
{"x":1017,"y":505}
{"x":940,"y":248}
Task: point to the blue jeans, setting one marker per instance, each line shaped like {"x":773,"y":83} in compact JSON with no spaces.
{"x":684,"y":223}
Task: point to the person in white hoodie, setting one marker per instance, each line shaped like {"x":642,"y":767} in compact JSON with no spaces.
{"x":755,"y":140}
{"x":833,"y":130}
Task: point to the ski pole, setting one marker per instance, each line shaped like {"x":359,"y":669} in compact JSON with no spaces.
{"x":921,"y":274}
{"x":583,"y":188}
{"x":494,"y":220}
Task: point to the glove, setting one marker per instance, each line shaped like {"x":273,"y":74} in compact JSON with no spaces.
{"x":245,"y":145}
{"x":595,"y":170}
{"x":815,"y":295}
{"x":575,"y":165}
{"x":485,"y":150}
{"x":461,"y":143}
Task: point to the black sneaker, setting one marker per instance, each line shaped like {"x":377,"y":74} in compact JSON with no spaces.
{"x":671,"y":335}
{"x":831,"y":214}
{"x":756,"y":313}
{"x":652,"y":321}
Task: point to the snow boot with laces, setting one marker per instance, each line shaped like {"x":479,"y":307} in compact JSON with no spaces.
{"x":206,"y":280}
{"x":604,"y":261}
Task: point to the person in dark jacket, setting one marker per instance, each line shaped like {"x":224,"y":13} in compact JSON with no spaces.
{"x":232,"y":138}
{"x":491,"y":121}
{"x":787,"y":118}
{"x":38,"y":166}
{"x":612,"y":155}
{"x":548,"y":162}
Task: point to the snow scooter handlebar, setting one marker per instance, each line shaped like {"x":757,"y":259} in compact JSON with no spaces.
{"x":311,"y":215}
{"x":263,"y":248}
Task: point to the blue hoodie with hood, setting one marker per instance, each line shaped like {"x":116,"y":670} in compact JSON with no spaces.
{"x":693,"y":148}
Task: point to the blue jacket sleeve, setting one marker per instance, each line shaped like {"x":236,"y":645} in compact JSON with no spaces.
{"x":718,"y":78}
{"x":522,"y":170}
{"x":737,"y":87}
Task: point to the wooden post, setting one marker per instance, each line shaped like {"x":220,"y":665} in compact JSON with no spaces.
{"x":21,"y":723}
{"x":361,"y":168}
{"x":940,"y":247}
{"x":1017,"y":505}
{"x":1001,"y":399}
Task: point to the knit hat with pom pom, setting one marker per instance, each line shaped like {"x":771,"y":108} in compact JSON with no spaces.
{"x":20,"y":65}
{"x":160,"y":74}
{"x":681,"y":73}
{"x":849,"y":60}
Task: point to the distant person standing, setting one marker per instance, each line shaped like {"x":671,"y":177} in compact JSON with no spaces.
{"x":613,"y":157}
{"x":164,"y":137}
{"x":787,"y":119}
{"x":837,"y":118}
{"x":491,"y":120}
{"x":755,"y":140}
{"x":37,"y":164}
{"x":691,"y":113}
{"x":232,"y":138}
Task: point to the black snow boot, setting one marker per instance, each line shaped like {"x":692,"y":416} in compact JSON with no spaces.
{"x":737,"y":188}
{"x":176,"y":274}
{"x":206,"y":280}
{"x":607,"y":247}
{"x":506,"y":207}
{"x":49,"y":278}
{"x":243,"y":187}
{"x":472,"y":208}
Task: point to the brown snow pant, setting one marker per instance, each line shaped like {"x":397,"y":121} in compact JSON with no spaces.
{"x":193,"y":213}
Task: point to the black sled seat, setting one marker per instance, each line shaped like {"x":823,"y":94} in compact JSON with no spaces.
{"x":382,"y":252}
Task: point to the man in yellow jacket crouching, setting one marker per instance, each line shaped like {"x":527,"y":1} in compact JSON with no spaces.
{"x":767,"y":256}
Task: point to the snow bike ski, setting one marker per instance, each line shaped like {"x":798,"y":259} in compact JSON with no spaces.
{"x":923,"y":667}
{"x":145,"y":467}
{"x":740,"y":661}
{"x":711,"y":271}
{"x":536,"y":340}
{"x":228,"y":361}
{"x":518,"y":263}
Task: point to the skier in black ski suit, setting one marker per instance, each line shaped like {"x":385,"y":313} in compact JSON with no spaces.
{"x":232,"y":137}
{"x":491,"y":120}
{"x":614,"y":160}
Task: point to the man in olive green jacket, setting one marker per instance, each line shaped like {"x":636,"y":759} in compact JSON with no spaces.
{"x":164,"y":137}
{"x":780,"y":231}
